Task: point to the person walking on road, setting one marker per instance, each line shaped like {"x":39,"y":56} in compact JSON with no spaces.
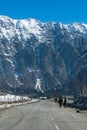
{"x":65,"y":102}
{"x":60,"y":101}
{"x":55,"y":99}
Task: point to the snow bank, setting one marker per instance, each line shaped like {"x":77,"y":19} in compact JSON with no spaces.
{"x":8,"y":100}
{"x":12,"y":98}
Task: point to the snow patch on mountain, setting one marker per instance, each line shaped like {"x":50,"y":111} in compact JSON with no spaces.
{"x":38,"y":85}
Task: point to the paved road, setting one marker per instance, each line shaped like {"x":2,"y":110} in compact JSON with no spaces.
{"x":44,"y":115}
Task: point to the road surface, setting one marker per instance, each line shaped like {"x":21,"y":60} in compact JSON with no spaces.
{"x":44,"y":115}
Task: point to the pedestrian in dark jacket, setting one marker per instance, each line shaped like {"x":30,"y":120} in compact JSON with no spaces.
{"x":55,"y":99}
{"x":65,"y":102}
{"x":60,"y":101}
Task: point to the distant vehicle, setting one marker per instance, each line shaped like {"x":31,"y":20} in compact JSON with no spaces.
{"x":43,"y":98}
{"x":79,"y":104}
{"x":70,"y":98}
{"x":76,"y":102}
{"x":82,"y":105}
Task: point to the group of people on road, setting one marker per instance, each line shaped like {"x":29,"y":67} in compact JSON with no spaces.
{"x":61,"y":101}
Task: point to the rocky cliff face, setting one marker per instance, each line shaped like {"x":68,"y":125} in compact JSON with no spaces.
{"x":42,"y":56}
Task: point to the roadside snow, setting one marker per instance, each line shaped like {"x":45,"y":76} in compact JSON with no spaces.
{"x":9,"y":100}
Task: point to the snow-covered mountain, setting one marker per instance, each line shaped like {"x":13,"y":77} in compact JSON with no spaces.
{"x":42,"y":56}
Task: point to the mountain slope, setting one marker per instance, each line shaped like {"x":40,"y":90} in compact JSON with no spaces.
{"x":41,"y":56}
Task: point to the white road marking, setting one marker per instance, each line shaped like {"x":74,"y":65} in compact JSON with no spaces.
{"x":56,"y":126}
{"x":52,"y":119}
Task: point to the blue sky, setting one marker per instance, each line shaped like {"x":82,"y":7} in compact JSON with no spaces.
{"x":65,"y":11}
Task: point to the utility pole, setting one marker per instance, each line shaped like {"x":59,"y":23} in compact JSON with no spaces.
{"x":15,"y":92}
{"x":80,"y":77}
{"x":22,"y":87}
